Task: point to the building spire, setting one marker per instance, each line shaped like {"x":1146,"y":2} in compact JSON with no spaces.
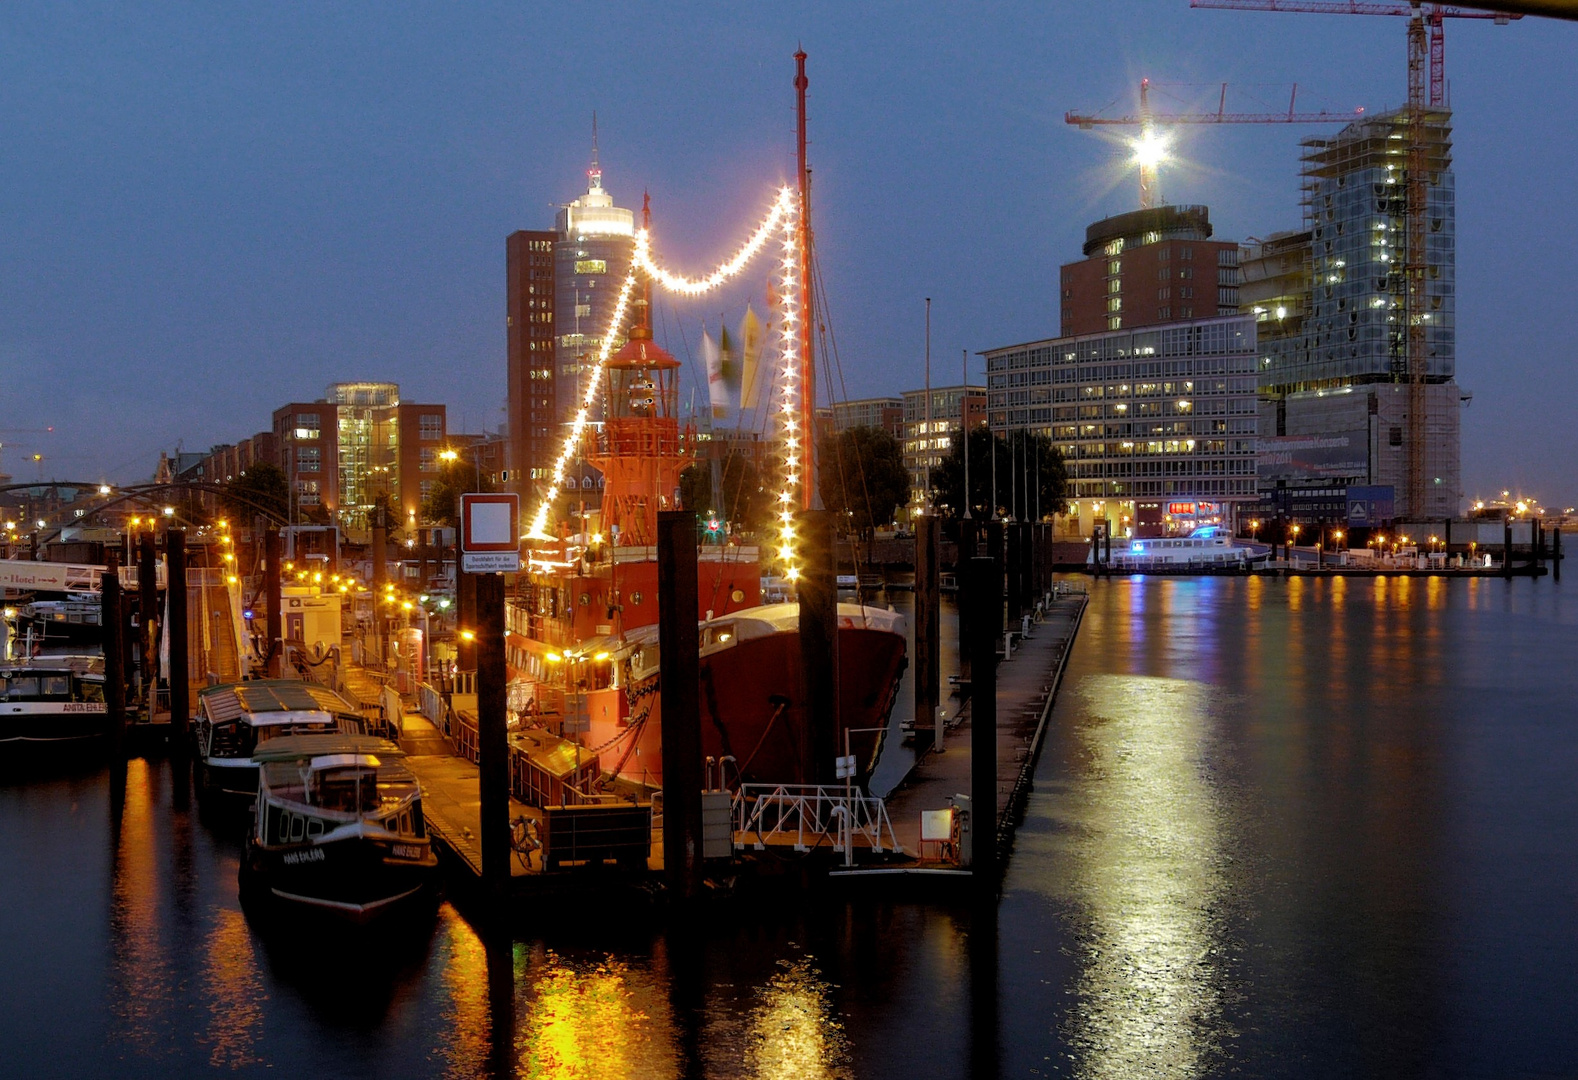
{"x":594,"y":175}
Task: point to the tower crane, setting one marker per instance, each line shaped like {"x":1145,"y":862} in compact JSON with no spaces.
{"x":1149,"y":147}
{"x":37,"y":458}
{"x":1424,"y":22}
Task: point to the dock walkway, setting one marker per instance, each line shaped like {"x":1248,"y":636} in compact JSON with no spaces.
{"x":1027,"y":685}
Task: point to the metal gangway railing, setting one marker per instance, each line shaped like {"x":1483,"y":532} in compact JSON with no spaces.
{"x":814,"y":812}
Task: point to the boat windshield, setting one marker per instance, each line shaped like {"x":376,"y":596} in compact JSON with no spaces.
{"x":277,"y":731}
{"x":51,"y":687}
{"x":347,"y":789}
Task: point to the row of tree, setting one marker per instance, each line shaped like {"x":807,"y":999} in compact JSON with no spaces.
{"x":862,"y":475}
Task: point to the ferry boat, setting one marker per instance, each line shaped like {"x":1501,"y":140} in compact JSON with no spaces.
{"x":1208,"y":549}
{"x":337,"y":828}
{"x":52,"y":699}
{"x":236,"y":720}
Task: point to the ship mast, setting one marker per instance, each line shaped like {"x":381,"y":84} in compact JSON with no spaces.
{"x":808,"y":484}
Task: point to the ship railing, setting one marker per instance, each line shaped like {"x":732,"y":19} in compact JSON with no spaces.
{"x":811,"y":814}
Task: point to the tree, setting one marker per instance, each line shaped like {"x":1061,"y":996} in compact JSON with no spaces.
{"x":745,"y":505}
{"x":441,"y":505}
{"x":1019,"y":458}
{"x":695,"y":488}
{"x":863,"y":477}
{"x":262,"y":489}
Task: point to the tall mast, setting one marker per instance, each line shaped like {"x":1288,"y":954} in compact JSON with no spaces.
{"x":807,"y":359}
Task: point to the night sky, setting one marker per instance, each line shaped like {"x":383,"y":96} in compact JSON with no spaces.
{"x":209,"y":210}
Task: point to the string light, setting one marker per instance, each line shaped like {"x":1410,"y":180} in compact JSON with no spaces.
{"x":781,"y":217}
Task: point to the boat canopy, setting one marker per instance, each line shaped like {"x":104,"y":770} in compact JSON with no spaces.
{"x":784,"y":618}
{"x":274,"y":701}
{"x":313,"y":747}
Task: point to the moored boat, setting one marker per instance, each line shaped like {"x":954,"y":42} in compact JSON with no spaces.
{"x":338,"y":828}
{"x":52,"y":699}
{"x":1208,"y":549}
{"x":236,"y":720}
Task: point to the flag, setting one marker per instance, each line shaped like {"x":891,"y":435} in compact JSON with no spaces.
{"x":731,"y":366}
{"x":716,"y":390}
{"x":751,"y":334}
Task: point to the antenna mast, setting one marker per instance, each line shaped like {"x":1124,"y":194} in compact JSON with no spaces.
{"x":807,"y":358}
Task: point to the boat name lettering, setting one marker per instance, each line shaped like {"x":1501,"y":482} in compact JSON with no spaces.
{"x":293,"y":858}
{"x":83,"y":706}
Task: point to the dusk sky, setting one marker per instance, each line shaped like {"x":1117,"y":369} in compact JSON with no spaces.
{"x":209,"y":210}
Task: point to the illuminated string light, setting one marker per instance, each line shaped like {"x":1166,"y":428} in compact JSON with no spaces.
{"x":782,"y":218}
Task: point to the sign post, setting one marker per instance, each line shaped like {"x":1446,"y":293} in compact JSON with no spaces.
{"x":489,"y":546}
{"x":490,"y":540}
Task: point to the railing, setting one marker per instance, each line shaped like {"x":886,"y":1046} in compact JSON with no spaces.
{"x":430,"y":703}
{"x":803,"y":810}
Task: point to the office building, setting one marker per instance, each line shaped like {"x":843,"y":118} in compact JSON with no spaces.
{"x":928,"y":441}
{"x":532,"y":408}
{"x":1156,"y":426}
{"x":357,"y":444}
{"x":1149,"y":267}
{"x":1330,"y":303}
{"x":883,"y":413}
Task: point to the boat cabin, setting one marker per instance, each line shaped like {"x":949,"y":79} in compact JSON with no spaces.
{"x":237,"y":720}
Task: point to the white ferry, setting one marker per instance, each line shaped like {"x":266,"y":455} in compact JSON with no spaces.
{"x":52,"y":699}
{"x":1209,"y":549}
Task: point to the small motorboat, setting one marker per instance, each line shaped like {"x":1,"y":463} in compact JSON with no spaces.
{"x":52,"y":700}
{"x":338,"y":828}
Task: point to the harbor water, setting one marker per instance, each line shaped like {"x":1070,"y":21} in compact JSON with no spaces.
{"x":1280,"y":828}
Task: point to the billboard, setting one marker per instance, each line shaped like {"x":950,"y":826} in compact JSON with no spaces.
{"x":1369,"y":506}
{"x":1313,"y":457}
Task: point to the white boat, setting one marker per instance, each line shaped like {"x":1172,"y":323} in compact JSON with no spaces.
{"x":338,"y":828}
{"x":236,"y":720}
{"x":1209,"y":549}
{"x":52,"y":699}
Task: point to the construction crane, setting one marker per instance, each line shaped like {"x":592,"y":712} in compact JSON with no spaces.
{"x":1150,"y":149}
{"x":1426,"y":52}
{"x":35,"y":458}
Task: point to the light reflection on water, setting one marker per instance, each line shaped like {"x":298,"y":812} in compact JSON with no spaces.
{"x":1143,"y":873}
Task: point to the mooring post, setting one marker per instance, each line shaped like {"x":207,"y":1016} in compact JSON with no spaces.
{"x":175,"y":612}
{"x":271,"y":594}
{"x":1027,"y":568}
{"x":679,"y":644}
{"x":983,"y":592}
{"x":112,"y":622}
{"x":493,"y":747}
{"x":1014,"y":565}
{"x":969,"y":539}
{"x":1506,"y":547}
{"x":818,"y":592}
{"x":380,"y":553}
{"x":928,"y":636}
{"x":994,"y":551}
{"x":147,"y":616}
{"x":1556,"y":553}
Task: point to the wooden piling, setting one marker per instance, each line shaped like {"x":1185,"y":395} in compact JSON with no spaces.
{"x":679,"y":644}
{"x":465,"y":619}
{"x":818,"y":592}
{"x":493,"y":749}
{"x":147,"y":616}
{"x":1556,"y":553}
{"x":1013,"y":538}
{"x":928,"y":635}
{"x":969,"y":539}
{"x":994,"y":551}
{"x":1027,"y":567}
{"x":112,"y":622}
{"x":175,"y":612}
{"x":271,"y":593}
{"x":1506,"y":548}
{"x":983,"y":591}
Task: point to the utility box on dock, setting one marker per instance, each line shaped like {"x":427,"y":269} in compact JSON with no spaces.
{"x":717,"y":824}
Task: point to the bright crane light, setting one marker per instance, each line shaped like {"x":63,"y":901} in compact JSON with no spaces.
{"x":1150,"y":149}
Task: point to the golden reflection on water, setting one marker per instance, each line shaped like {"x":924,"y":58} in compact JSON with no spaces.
{"x":468,"y":1026}
{"x":594,"y":1020}
{"x":141,"y":965}
{"x":234,"y":991}
{"x":1145,"y":871}
{"x":794,"y":1032}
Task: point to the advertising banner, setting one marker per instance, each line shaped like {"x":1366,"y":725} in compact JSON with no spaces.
{"x":1313,"y":457}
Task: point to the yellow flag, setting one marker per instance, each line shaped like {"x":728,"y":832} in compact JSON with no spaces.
{"x":751,"y":333}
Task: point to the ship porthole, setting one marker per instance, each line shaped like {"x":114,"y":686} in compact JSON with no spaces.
{"x":635,"y":598}
{"x":738,"y":596}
